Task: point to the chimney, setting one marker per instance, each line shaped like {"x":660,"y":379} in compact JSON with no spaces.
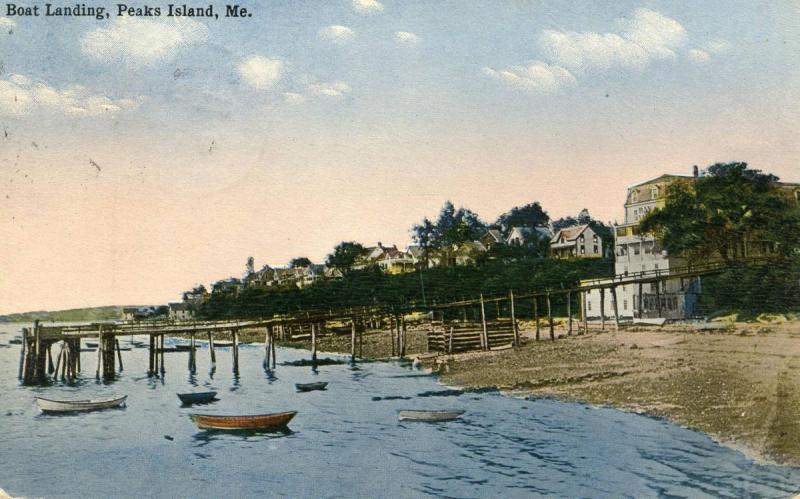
{"x":695,"y":171}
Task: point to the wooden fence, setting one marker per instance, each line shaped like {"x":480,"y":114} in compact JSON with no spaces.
{"x":460,"y":336}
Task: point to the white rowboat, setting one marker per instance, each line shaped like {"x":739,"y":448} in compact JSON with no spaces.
{"x":432,"y":416}
{"x":47,"y":405}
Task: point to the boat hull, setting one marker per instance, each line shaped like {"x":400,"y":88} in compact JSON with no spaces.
{"x":430,"y":416}
{"x":48,"y":405}
{"x":308,"y":387}
{"x":197,"y":398}
{"x":255,"y":422}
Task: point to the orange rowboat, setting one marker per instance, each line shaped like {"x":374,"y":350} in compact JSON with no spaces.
{"x":255,"y":422}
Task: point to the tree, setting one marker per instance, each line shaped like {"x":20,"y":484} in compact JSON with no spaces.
{"x":530,"y":215}
{"x":726,"y":213}
{"x":299,"y":262}
{"x":452,"y":227}
{"x":344,"y":255}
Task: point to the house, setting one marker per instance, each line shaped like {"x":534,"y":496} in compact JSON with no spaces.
{"x":492,"y":237}
{"x":261,"y":278}
{"x":637,"y":253}
{"x":230,"y":285}
{"x":468,"y":252}
{"x":388,"y":258}
{"x":577,"y":241}
{"x":138,"y":313}
{"x":180,"y":311}
{"x":310,"y":274}
{"x":523,"y":236}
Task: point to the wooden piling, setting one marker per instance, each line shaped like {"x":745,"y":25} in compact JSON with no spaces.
{"x":161,"y":367}
{"x":584,"y":312}
{"x":119,"y":353}
{"x":514,"y":325}
{"x":37,"y":347}
{"x":99,"y":351}
{"x":361,"y":342}
{"x":450,"y":341}
{"x":602,"y":309}
{"x":22,"y":353}
{"x":192,"y":354}
{"x":211,"y":348}
{"x":353,"y":340}
{"x":391,"y":333}
{"x":641,"y":302}
{"x":484,"y":332}
{"x":313,"y":343}
{"x":49,"y":354}
{"x":536,"y":316}
{"x":550,"y":318}
{"x":616,"y":306}
{"x":569,"y":313}
{"x":58,"y":359}
{"x":658,"y":299}
{"x":235,"y":351}
{"x":267,"y":346}
{"x":403,"y":337}
{"x":151,"y":367}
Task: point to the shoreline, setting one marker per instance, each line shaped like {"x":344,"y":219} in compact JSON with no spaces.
{"x":739,"y":385}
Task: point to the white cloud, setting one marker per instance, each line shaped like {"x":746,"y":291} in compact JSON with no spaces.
{"x":333,"y":89}
{"x":406,"y":38}
{"x":260,"y":72}
{"x":139,"y":42}
{"x":645,"y":37}
{"x":20,"y":96}
{"x":367,"y":6}
{"x":337,"y":34}
{"x":698,"y":56}
{"x":294,"y":98}
{"x":717,"y":46}
{"x":7,"y":24}
{"x":537,"y":76}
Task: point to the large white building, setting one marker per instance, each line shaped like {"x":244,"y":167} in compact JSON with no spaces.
{"x":642,"y":254}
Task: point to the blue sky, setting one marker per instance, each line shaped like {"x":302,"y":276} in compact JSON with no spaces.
{"x":180,"y":148}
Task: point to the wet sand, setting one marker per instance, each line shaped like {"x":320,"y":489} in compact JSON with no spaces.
{"x":740,"y":385}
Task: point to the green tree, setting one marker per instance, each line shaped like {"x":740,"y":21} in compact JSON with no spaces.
{"x":299,"y":262}
{"x":530,"y":215}
{"x":344,"y":255}
{"x":728,"y":213}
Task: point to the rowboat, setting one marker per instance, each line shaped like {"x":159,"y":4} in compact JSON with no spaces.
{"x":197,"y":397}
{"x":308,"y":387}
{"x":91,"y":344}
{"x":15,"y":341}
{"x":223,"y":344}
{"x":47,"y":405}
{"x":431,"y":416}
{"x":256,"y":422}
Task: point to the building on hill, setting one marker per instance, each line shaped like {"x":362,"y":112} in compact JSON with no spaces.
{"x":491,"y":238}
{"x":637,"y":253}
{"x":468,"y":252}
{"x":578,"y":241}
{"x":180,"y":311}
{"x":523,"y":236}
{"x":138,"y":313}
{"x":261,"y":278}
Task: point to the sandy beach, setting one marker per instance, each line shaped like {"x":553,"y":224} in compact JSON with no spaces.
{"x":740,"y":385}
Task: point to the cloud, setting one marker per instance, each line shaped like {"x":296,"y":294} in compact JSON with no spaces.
{"x":20,"y":96}
{"x":645,"y":37}
{"x":698,"y":56}
{"x":337,"y":34}
{"x":294,"y":98}
{"x":406,"y":38}
{"x":537,"y":76}
{"x":335,"y":89}
{"x":260,"y":72}
{"x":7,"y":24}
{"x":367,"y":6}
{"x":712,"y":47}
{"x":139,"y":42}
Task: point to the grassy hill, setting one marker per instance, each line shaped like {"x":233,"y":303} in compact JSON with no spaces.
{"x":71,"y":315}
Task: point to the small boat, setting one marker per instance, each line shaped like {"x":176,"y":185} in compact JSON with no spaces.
{"x":223,"y":344}
{"x":91,"y":344}
{"x":309,"y":387}
{"x":431,"y":416}
{"x":48,"y":405}
{"x":197,"y":397}
{"x":256,"y":422}
{"x":15,"y":341}
{"x":183,"y":347}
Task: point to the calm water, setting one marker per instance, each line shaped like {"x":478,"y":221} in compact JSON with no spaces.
{"x":346,"y":441}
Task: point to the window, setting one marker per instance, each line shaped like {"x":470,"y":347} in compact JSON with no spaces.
{"x":596,"y":250}
{"x":583,"y":250}
{"x":634,"y":196}
{"x":594,"y":238}
{"x":582,"y":238}
{"x":589,"y":305}
{"x":624,"y":304}
{"x":654,"y":192}
{"x":635,"y":249}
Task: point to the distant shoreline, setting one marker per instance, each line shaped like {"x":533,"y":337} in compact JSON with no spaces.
{"x":87,"y":314}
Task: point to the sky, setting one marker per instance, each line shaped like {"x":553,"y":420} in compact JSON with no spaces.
{"x":142,"y":156}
